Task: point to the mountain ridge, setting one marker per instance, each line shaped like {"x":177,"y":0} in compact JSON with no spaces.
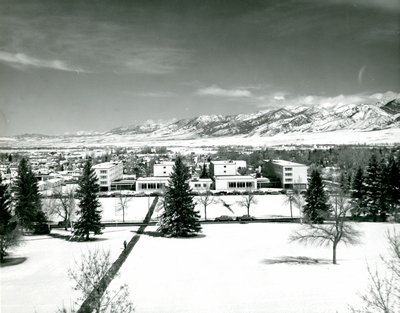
{"x":290,"y":119}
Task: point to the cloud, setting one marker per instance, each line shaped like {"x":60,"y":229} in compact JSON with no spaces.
{"x":21,"y":60}
{"x":217,"y":91}
{"x":272,"y":101}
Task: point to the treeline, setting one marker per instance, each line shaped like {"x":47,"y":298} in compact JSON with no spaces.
{"x":343,"y":157}
{"x":375,"y":189}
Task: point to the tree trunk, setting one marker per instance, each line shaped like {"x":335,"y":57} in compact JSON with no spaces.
{"x":65,"y":224}
{"x":87,"y":237}
{"x":334,"y":253}
{"x":205,"y":213}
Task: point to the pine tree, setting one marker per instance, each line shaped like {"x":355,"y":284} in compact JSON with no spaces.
{"x":28,"y":207}
{"x":372,"y":185}
{"x":357,"y":192}
{"x":204,"y":172}
{"x":316,"y":209}
{"x":9,"y":234}
{"x":89,"y":213}
{"x":392,"y":186}
{"x":179,"y":218}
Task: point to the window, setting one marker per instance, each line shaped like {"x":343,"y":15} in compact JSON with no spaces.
{"x":143,"y":186}
{"x":204,"y":185}
{"x":224,"y":172}
{"x":165,"y":172}
{"x":103,"y":172}
{"x":288,"y":174}
{"x":103,"y":177}
{"x":288,"y":180}
{"x":288,"y":168}
{"x":249,"y":184}
{"x":232,"y":185}
{"x":197,"y":185}
{"x":224,"y":166}
{"x":103,"y":182}
{"x":151,"y":186}
{"x":241,"y":184}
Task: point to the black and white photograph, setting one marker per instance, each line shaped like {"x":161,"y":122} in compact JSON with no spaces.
{"x":200,"y":156}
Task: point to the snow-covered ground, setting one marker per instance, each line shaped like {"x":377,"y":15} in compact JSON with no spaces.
{"x":229,"y":268}
{"x":232,"y":269}
{"x":137,"y":207}
{"x":40,"y":283}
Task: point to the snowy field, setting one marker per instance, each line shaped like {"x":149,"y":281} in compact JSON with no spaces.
{"x":40,"y":283}
{"x":267,"y":206}
{"x":236,"y":268}
{"x":229,"y":268}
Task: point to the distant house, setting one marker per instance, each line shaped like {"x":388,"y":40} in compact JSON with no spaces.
{"x":107,"y":172}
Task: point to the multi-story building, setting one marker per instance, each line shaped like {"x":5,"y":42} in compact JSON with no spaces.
{"x":291,"y":174}
{"x":107,"y":172}
{"x":223,"y":168}
{"x":163,"y":169}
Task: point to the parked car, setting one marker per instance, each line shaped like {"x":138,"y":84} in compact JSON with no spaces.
{"x":245,"y":218}
{"x":223,"y":218}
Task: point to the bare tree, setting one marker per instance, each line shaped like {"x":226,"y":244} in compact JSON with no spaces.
{"x":383,"y":293}
{"x":248,"y":199}
{"x":61,"y":203}
{"x":122,"y":204}
{"x":88,"y":274}
{"x":206,"y":198}
{"x":332,"y":232}
{"x":294,"y":197}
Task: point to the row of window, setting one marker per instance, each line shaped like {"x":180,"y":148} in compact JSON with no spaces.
{"x":199,"y":185}
{"x":240,"y":184}
{"x":151,"y":186}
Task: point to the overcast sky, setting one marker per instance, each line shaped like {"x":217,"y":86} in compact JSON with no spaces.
{"x":67,"y":66}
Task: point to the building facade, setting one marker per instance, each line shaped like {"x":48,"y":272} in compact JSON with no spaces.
{"x":292,"y":175}
{"x":107,"y":172}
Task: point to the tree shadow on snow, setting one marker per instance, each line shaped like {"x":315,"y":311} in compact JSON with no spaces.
{"x":69,"y":237}
{"x":12,"y":261}
{"x":157,"y":234}
{"x":296,"y":260}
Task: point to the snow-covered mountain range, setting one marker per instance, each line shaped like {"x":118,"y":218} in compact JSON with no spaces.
{"x":271,"y":122}
{"x":352,"y":123}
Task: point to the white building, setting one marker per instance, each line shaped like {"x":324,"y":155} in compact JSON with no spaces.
{"x":107,"y":172}
{"x":223,"y":168}
{"x":291,"y":174}
{"x":163,"y":169}
{"x":235,"y":182}
{"x":200,"y":184}
{"x":151,"y":184}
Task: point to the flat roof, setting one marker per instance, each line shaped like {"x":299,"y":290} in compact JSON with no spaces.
{"x":235,"y":177}
{"x":223,"y":162}
{"x":165,"y":163}
{"x":153,"y":179}
{"x":105,"y":165}
{"x":285,"y":163}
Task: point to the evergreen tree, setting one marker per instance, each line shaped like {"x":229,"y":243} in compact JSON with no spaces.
{"x":179,"y":218}
{"x":345,"y":182}
{"x":372,"y":185}
{"x":204,"y":172}
{"x":89,"y":213}
{"x":357,"y":192}
{"x":9,"y":234}
{"x":316,"y":209}
{"x":392,"y":186}
{"x":28,"y":207}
